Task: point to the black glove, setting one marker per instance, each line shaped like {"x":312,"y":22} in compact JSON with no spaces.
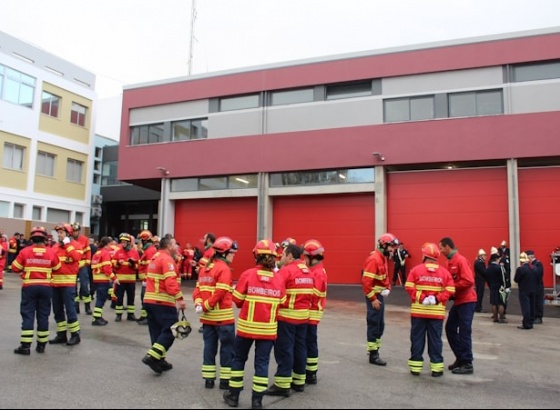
{"x":131,"y":261}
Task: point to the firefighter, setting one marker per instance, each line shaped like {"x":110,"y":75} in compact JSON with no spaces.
{"x":125,"y":265}
{"x":280,"y":250}
{"x":313,"y":257}
{"x":64,"y":286}
{"x":162,"y":299}
{"x":212,"y":297}
{"x":458,"y":327}
{"x":12,"y":249}
{"x":258,"y":294}
{"x":148,"y":251}
{"x":376,"y":286}
{"x":35,"y":263}
{"x":84,"y":292}
{"x":3,"y":257}
{"x":290,"y":349}
{"x":102,"y":270}
{"x":429,"y":286}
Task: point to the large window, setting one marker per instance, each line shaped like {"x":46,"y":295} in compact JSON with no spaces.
{"x":409,"y":109}
{"x":13,"y":156}
{"x":19,"y":210}
{"x":37,"y":213}
{"x":326,"y":177}
{"x":470,"y":104}
{"x":45,"y":164}
{"x":350,"y":90}
{"x":189,"y":129}
{"x":74,"y":170}
{"x":78,"y":114}
{"x":214,"y":183}
{"x":239,"y":102}
{"x":292,"y":96}
{"x":544,"y":70}
{"x":16,"y":87}
{"x":50,"y":104}
{"x":147,"y":134}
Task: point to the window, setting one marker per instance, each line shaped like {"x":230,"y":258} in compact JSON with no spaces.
{"x":476,"y":103}
{"x":98,"y":152}
{"x":80,"y":218}
{"x":17,"y":87}
{"x":109,"y":173}
{"x":45,"y":164}
{"x":56,"y":215}
{"x":13,"y":156}
{"x":327,"y":177}
{"x":97,"y":179}
{"x":19,"y":210}
{"x":50,"y":104}
{"x":4,"y":209}
{"x":239,"y":103}
{"x":37,"y":213}
{"x":189,"y":129}
{"x":206,"y":184}
{"x":544,"y":70}
{"x":78,"y":114}
{"x":74,"y":170}
{"x":338,"y":91}
{"x":292,"y":96}
{"x":147,"y":134}
{"x":409,"y":109}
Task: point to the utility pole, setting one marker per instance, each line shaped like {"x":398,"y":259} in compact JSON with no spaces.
{"x":191,"y":44}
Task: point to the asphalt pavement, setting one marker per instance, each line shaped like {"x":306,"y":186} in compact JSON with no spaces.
{"x":512,"y":369}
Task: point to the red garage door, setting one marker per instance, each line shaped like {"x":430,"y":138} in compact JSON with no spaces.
{"x":468,"y":205}
{"x":539,"y":200}
{"x":344,"y":224}
{"x":233,"y":217}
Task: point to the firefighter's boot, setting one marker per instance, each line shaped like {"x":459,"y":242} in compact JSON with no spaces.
{"x":311,"y":378}
{"x":40,"y":348}
{"x":23,"y":349}
{"x":375,"y":359}
{"x":131,"y":318}
{"x":88,"y":309}
{"x":256,"y":401}
{"x":59,"y":339}
{"x":231,"y":398}
{"x":74,"y":339}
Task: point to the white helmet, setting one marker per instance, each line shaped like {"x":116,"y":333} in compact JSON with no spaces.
{"x":181,"y":329}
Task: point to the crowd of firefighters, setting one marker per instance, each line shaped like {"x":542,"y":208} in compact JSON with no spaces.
{"x":281,"y":301}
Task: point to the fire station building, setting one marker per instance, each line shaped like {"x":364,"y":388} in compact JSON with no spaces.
{"x":458,"y":138}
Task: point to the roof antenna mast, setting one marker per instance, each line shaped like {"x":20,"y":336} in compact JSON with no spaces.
{"x":193,"y":38}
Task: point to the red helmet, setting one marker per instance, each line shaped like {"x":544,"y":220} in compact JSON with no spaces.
{"x":224,"y":245}
{"x":313,"y":248}
{"x":39,"y":232}
{"x":265,"y":247}
{"x":288,"y":241}
{"x":64,"y":227}
{"x":145,"y":235}
{"x":388,"y":239}
{"x":430,"y":250}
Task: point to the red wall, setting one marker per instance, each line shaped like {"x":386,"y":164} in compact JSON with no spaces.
{"x":539,"y":219}
{"x":233,"y":217}
{"x":344,"y":224}
{"x":469,"y":205}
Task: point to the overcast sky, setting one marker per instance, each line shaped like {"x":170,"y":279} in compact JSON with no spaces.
{"x":135,"y":41}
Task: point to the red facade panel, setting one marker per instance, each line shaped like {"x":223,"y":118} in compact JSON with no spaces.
{"x":233,"y":217}
{"x":468,"y":205}
{"x":344,"y":224}
{"x":539,"y":221}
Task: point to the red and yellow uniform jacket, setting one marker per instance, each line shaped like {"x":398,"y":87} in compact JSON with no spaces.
{"x":429,"y":279}
{"x":69,"y":256}
{"x":375,"y":277}
{"x":85,"y":249}
{"x":35,"y":264}
{"x":258,"y":294}
{"x":12,"y":245}
{"x":463,"y":277}
{"x":206,"y":256}
{"x":213,"y":291}
{"x":3,"y":254}
{"x":145,"y":260}
{"x":125,"y":264}
{"x":101,"y":266}
{"x":299,"y":282}
{"x":162,"y":287}
{"x":319,"y":299}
